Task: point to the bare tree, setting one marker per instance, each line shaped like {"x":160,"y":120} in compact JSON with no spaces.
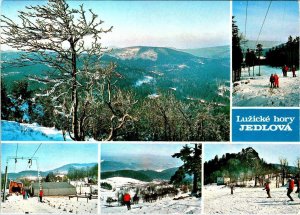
{"x":297,"y":164}
{"x":67,"y":41}
{"x":283,"y":165}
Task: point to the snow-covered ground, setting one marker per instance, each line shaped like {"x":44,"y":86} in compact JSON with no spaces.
{"x":188,"y":205}
{"x":257,"y":91}
{"x":14,"y":131}
{"x":55,"y":205}
{"x":29,"y":132}
{"x":218,"y":200}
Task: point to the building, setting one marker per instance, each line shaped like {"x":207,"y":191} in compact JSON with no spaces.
{"x":54,"y":189}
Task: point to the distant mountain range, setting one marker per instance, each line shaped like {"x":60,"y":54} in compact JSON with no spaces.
{"x":138,"y":162}
{"x":216,"y":52}
{"x":152,"y":70}
{"x":60,"y":170}
{"x":142,"y":175}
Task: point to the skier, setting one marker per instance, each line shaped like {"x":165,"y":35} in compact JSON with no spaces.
{"x":41,"y":195}
{"x":276,"y":80}
{"x":297,"y":182}
{"x":126,"y":200}
{"x":23,"y":193}
{"x":231,"y":188}
{"x":272,"y":80}
{"x":290,"y":188}
{"x":283,"y":71}
{"x":267,"y":188}
{"x":294,"y":71}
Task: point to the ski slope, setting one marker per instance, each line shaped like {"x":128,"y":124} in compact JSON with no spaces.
{"x":188,"y":205}
{"x":218,"y":200}
{"x":256,"y":91}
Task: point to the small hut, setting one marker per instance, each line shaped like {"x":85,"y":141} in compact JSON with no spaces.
{"x":54,"y":189}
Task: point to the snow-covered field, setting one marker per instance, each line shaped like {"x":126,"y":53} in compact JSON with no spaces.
{"x":218,"y":200}
{"x":55,"y":205}
{"x":188,"y":205}
{"x":257,"y":91}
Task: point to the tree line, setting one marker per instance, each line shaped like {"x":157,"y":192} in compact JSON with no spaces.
{"x":245,"y":166}
{"x":75,"y":174}
{"x":284,"y":54}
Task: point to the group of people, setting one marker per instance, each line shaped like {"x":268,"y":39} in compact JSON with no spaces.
{"x":25,"y":194}
{"x":274,"y":78}
{"x":290,"y":188}
{"x":285,"y":70}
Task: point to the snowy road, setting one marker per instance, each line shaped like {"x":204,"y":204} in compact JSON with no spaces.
{"x":218,"y":200}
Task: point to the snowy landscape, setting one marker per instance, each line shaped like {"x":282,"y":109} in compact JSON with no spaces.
{"x":251,"y":179}
{"x":51,"y":205}
{"x":12,"y":131}
{"x":256,"y":91}
{"x":168,"y":184}
{"x":167,"y":205}
{"x":218,"y":200}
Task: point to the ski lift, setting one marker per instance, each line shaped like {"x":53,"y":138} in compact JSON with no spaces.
{"x":29,"y":162}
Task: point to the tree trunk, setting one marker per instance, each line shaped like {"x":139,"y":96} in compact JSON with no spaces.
{"x":195,"y":183}
{"x":75,"y":127}
{"x":195,"y":180}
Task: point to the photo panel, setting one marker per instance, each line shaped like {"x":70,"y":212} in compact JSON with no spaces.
{"x":265,"y":71}
{"x":54,"y":178}
{"x":156,"y":178}
{"x":265,"y":54}
{"x":160,"y":79}
{"x":248,"y":178}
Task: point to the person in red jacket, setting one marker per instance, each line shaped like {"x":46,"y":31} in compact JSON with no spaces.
{"x":126,"y":199}
{"x":290,"y":188}
{"x":286,"y":69}
{"x":23,"y":193}
{"x":276,"y":80}
{"x":267,"y":188}
{"x":41,"y":194}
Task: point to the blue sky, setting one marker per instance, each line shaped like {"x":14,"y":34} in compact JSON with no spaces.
{"x":50,"y":155}
{"x":282,"y":19}
{"x":179,"y":24}
{"x":141,"y":149}
{"x":269,"y":152}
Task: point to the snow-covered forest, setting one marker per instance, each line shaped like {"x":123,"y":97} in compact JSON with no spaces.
{"x":58,"y":78}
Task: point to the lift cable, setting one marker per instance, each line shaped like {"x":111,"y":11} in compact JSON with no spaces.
{"x":263,"y":22}
{"x":36,"y":151}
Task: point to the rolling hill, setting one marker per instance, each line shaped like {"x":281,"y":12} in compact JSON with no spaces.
{"x":142,"y":175}
{"x":151,"y":70}
{"x":60,"y":170}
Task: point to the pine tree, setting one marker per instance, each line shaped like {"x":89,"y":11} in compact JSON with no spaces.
{"x":191,"y":158}
{"x":259,"y":52}
{"x":6,"y":104}
{"x":237,"y":54}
